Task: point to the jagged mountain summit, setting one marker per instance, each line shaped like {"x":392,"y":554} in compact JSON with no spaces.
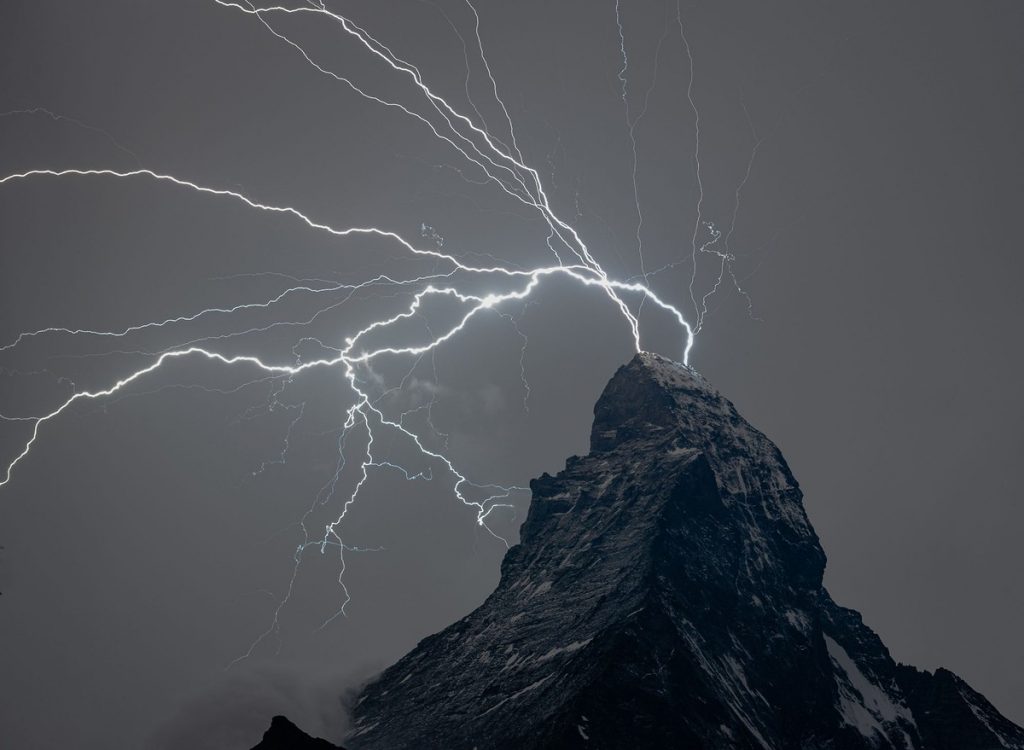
{"x":667,"y":593}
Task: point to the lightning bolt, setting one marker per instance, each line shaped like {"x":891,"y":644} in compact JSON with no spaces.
{"x":497,"y":160}
{"x":631,"y":126}
{"x":696,"y":162}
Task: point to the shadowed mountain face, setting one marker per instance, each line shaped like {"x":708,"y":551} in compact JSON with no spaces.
{"x":667,"y":592}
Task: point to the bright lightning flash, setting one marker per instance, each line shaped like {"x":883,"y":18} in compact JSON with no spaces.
{"x":353,"y":352}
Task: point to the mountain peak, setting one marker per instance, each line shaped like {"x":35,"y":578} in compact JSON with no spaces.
{"x":642,"y":400}
{"x":666,"y":592}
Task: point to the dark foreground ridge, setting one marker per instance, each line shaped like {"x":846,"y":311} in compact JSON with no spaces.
{"x":283,"y":735}
{"x":667,"y":593}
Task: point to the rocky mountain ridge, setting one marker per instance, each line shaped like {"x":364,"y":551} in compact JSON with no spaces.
{"x":667,"y":592}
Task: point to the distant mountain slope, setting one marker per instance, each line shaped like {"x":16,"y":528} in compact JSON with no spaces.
{"x":667,"y":593}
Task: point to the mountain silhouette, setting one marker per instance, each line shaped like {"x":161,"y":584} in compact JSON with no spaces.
{"x":667,"y":593}
{"x":283,"y":735}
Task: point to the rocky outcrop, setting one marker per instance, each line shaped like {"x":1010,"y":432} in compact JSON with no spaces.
{"x":283,"y":735}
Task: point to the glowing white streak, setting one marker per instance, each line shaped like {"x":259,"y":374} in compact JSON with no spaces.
{"x":465,"y":57}
{"x":631,"y":127}
{"x":331,"y":529}
{"x":222,"y":192}
{"x":440,"y":105}
{"x":182,"y":387}
{"x":177,"y":319}
{"x":631,"y":124}
{"x":726,"y":256}
{"x":287,"y":443}
{"x":494,"y":83}
{"x":557,"y":225}
{"x":308,"y":320}
{"x":542,"y":203}
{"x":602,"y":280}
{"x":433,"y":398}
{"x":39,"y":421}
{"x":696,"y":156}
{"x":461,"y":149}
{"x":522,"y":359}
{"x":578,"y":246}
{"x":347,"y":358}
{"x":499,"y":163}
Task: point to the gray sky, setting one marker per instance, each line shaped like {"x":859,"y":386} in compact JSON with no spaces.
{"x":148,"y":536}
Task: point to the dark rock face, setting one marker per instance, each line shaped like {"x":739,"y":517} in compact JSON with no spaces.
{"x":283,"y":735}
{"x":953,"y":715}
{"x":667,"y":593}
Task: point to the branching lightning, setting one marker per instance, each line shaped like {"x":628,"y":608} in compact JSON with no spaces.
{"x":497,"y":160}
